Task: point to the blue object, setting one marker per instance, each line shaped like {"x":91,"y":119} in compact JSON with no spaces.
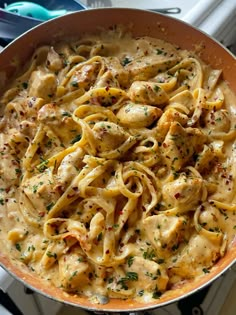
{"x":34,"y":10}
{"x":12,"y":24}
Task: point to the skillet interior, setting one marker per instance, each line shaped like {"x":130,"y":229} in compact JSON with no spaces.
{"x":13,"y":58}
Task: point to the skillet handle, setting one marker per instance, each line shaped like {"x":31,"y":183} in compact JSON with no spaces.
{"x":123,"y":313}
{"x":167,"y":10}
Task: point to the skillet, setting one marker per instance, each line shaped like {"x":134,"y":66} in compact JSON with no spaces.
{"x":145,"y":23}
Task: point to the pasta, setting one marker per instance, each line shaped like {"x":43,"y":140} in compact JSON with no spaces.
{"x":117,"y":166}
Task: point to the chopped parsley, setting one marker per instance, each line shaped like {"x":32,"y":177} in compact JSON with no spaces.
{"x":141,"y":293}
{"x":24,"y":85}
{"x":156,"y":294}
{"x":74,"y":83}
{"x":159,"y":51}
{"x":149,"y":254}
{"x":18,"y":170}
{"x":43,"y":166}
{"x":76,"y":139}
{"x":99,"y":237}
{"x":175,"y":247}
{"x":51,"y":255}
{"x":18,"y":247}
{"x":49,"y":206}
{"x":126,"y":61}
{"x":130,"y":276}
{"x":66,"y":114}
{"x":73,"y":275}
{"x":130,"y":261}
{"x":156,"y":88}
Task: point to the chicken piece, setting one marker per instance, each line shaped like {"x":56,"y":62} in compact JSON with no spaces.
{"x":119,"y":73}
{"x":54,"y":61}
{"x":205,"y":158}
{"x":211,"y":218}
{"x":53,"y":252}
{"x":166,"y":233}
{"x":42,"y":84}
{"x":85,"y":77}
{"x":28,"y":128}
{"x":33,"y":105}
{"x":63,"y":130}
{"x":169,"y":116}
{"x":147,"y":93}
{"x":109,"y":136}
{"x":137,"y":115}
{"x":150,"y":275}
{"x":27,"y":108}
{"x":180,"y":144}
{"x":34,"y":250}
{"x":50,"y":113}
{"x":40,"y":191}
{"x":141,"y":274}
{"x":70,"y":166}
{"x":185,"y":192}
{"x":23,"y":111}
{"x":147,"y":67}
{"x":74,"y":272}
{"x":107,"y":79}
{"x":198,"y":255}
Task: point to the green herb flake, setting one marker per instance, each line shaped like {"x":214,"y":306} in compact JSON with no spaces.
{"x":35,"y":188}
{"x":159,"y":51}
{"x":130,"y":276}
{"x":130,"y":261}
{"x":156,"y":294}
{"x":133,"y":276}
{"x":141,"y":293}
{"x":18,"y":247}
{"x":74,"y":83}
{"x":149,"y":254}
{"x":175,"y":247}
{"x":18,"y":170}
{"x":73,"y":275}
{"x":66,"y":114}
{"x":24,"y":85}
{"x":49,"y":206}
{"x":99,"y":237}
{"x":51,"y":255}
{"x":156,"y":88}
{"x":76,"y":139}
{"x":126,"y":61}
{"x":42,"y":166}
